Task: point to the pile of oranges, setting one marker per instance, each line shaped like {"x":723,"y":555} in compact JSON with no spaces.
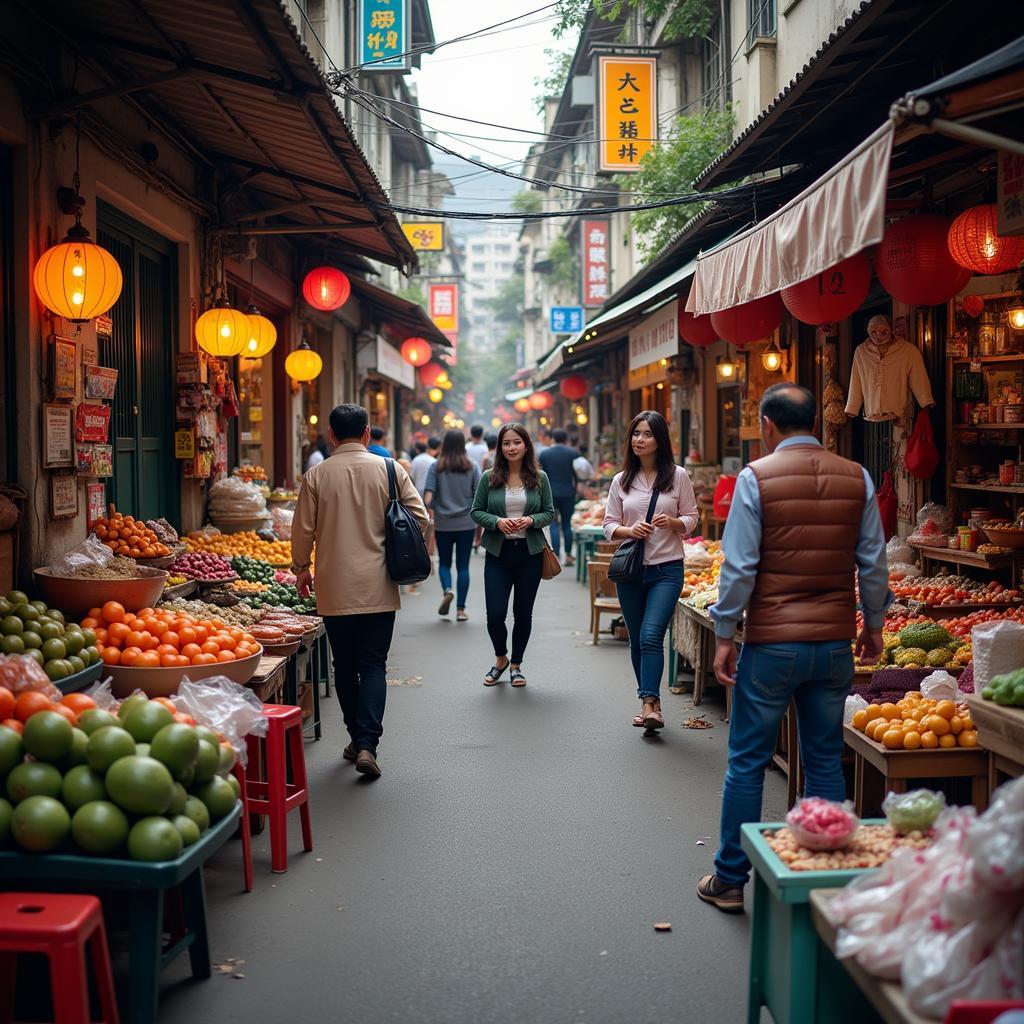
{"x":277,"y":552}
{"x":128,"y":536}
{"x":918,"y":723}
{"x":152,"y":638}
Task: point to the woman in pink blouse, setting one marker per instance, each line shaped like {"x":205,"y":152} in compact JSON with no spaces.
{"x":649,"y":466}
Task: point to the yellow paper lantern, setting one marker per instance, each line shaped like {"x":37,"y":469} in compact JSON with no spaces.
{"x":303,"y":364}
{"x":223,"y":331}
{"x":77,"y":279}
{"x":262,"y":334}
{"x":435,"y":395}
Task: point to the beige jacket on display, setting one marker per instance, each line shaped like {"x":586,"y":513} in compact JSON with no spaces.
{"x":341,"y":510}
{"x":883,"y":381}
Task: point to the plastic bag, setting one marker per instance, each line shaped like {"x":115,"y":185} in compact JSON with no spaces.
{"x":904,"y":571}
{"x":997,"y":841}
{"x":234,"y":497}
{"x":282,"y":522}
{"x":92,"y":551}
{"x":854,"y":703}
{"x":940,"y":685}
{"x":915,"y":811}
{"x":936,"y":514}
{"x":819,"y":824}
{"x":898,"y":550}
{"x":21,"y":673}
{"x":224,"y":706}
{"x":998,"y":647}
{"x":102,"y":693}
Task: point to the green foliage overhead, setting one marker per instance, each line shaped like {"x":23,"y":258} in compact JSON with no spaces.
{"x":527,"y":201}
{"x":553,"y":83}
{"x":564,"y":272}
{"x":686,"y":18}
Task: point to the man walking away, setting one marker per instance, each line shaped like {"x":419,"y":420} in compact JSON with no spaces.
{"x":583,"y":468}
{"x":420,"y":466}
{"x":802,"y":524}
{"x":477,"y":448}
{"x":491,"y":440}
{"x":341,"y":510}
{"x":557,"y":461}
{"x":377,"y":443}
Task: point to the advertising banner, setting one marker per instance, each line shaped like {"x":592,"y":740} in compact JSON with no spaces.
{"x":628,"y":110}
{"x":383,"y":35}
{"x":595,"y":261}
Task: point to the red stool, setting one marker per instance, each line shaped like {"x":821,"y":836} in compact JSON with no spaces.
{"x":61,"y":926}
{"x":276,"y":797}
{"x":239,"y":773}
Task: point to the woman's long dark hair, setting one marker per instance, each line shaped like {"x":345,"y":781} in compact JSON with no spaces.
{"x":666,"y":463}
{"x":528,"y":470}
{"x":453,"y":457}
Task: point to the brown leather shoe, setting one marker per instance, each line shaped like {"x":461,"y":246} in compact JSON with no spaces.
{"x":349,"y":753}
{"x":711,"y":890}
{"x":366,"y":764}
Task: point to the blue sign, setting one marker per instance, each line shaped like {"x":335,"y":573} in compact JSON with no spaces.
{"x":384,"y":35}
{"x":566,"y":319}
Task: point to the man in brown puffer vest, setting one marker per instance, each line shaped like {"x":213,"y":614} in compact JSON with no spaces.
{"x":802,"y":523}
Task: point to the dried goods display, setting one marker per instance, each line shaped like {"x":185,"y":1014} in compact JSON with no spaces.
{"x":869,"y":847}
{"x":238,"y":615}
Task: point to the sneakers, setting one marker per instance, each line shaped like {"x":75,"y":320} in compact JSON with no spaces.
{"x":366,"y":764}
{"x":569,"y":561}
{"x":711,"y":890}
{"x":446,"y":603}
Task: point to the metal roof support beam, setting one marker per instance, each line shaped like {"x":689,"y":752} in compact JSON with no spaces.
{"x":274,"y":172}
{"x":976,"y":136}
{"x":293,"y":229}
{"x":85,"y":99}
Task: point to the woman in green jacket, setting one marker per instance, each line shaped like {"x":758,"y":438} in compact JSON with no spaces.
{"x":513,"y":505}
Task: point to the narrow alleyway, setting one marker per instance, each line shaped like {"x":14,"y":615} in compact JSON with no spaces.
{"x":510,"y":864}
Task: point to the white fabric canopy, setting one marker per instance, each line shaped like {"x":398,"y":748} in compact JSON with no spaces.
{"x":837,"y":216}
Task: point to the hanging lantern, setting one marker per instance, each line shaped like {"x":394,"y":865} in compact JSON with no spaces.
{"x":416,"y":351}
{"x":696,"y":330}
{"x":303,"y":363}
{"x":832,"y":295}
{"x":521,"y":405}
{"x":913,"y":261}
{"x":429,"y":374}
{"x":223,"y":331}
{"x":974,"y":305}
{"x":540,"y":400}
{"x":573,"y":387}
{"x":975,"y":242}
{"x":749,"y":321}
{"x":77,"y":279}
{"x":1015,"y":317}
{"x":435,"y":395}
{"x":326,"y":288}
{"x":262,"y":334}
{"x":771,"y":357}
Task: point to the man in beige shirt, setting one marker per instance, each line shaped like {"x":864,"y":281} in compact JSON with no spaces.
{"x":886,"y":371}
{"x":341,"y":509}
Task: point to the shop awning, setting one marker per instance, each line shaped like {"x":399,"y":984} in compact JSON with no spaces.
{"x":405,"y":319}
{"x":514,"y":396}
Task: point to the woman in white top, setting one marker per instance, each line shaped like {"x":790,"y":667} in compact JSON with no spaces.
{"x":647,"y":607}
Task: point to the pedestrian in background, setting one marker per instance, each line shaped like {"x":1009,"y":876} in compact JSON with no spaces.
{"x":513,"y":505}
{"x":649,"y":469}
{"x":341,"y":509}
{"x":319,"y":452}
{"x":558,"y":461}
{"x":491,"y":440}
{"x":422,"y":462}
{"x":583,"y":469}
{"x":802,"y":523}
{"x":476,"y":449}
{"x":376,"y":446}
{"x":451,"y":486}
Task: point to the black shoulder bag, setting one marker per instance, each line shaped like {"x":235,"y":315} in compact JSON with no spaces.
{"x":405,"y":551}
{"x":627,"y":565}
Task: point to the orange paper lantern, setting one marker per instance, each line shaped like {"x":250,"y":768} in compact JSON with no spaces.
{"x":77,"y":279}
{"x":223,"y":331}
{"x":521,"y":405}
{"x":975,"y":242}
{"x":541,"y":400}
{"x":303,"y":364}
{"x":416,"y":351}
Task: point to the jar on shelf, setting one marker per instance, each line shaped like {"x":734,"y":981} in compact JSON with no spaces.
{"x":1007,"y":473}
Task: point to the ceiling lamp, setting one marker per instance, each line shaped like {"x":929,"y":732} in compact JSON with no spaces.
{"x":1015,"y":317}
{"x":262,"y":334}
{"x":326,"y":288}
{"x":223,"y":331}
{"x":429,"y":374}
{"x":696,"y":330}
{"x":573,"y":387}
{"x":540,"y":400}
{"x":77,"y":279}
{"x":303,"y":363}
{"x":725,"y":370}
{"x":435,"y":395}
{"x":771,"y":358}
{"x":749,"y":321}
{"x":975,"y":242}
{"x":914,"y":264}
{"x":521,"y":405}
{"x":416,"y":351}
{"x":832,"y":295}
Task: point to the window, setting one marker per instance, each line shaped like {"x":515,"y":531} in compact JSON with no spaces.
{"x":503,"y":250}
{"x":714,"y":84}
{"x":761,"y":17}
{"x":478,"y":268}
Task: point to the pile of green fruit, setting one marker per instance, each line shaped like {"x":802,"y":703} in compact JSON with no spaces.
{"x":29,"y":627}
{"x":921,"y":645}
{"x":282,"y":595}
{"x":1007,"y":689}
{"x":255,"y":570}
{"x":142,"y":782}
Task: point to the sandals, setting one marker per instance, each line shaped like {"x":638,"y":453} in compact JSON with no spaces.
{"x":651,"y":717}
{"x":446,"y":603}
{"x":461,"y":616}
{"x":517,"y":678}
{"x":494,"y":674}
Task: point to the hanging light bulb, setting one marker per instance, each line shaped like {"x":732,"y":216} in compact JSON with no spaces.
{"x":435,"y":395}
{"x":771,"y":358}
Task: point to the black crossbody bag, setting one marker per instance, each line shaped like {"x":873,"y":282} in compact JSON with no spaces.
{"x":405,"y":550}
{"x":627,"y":565}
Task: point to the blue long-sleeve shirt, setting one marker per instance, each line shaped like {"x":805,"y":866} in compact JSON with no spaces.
{"x":742,"y":545}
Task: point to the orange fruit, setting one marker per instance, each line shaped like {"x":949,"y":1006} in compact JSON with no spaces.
{"x":89,"y":622}
{"x":966,"y":721}
{"x":929,"y":741}
{"x":892,"y":739}
{"x":945,"y":708}
{"x":130,"y":655}
{"x":911,"y":740}
{"x":890,"y":711}
{"x":78,"y":702}
{"x":947,"y":741}
{"x":191,"y":650}
{"x":118,"y":631}
{"x":937,"y":724}
{"x":111,"y":656}
{"x":878,"y":728}
{"x":872,"y":711}
{"x":6,"y":703}
{"x":226,"y":656}
{"x":13,"y":723}
{"x":210,"y":647}
{"x":29,"y":703}
{"x":968,"y":738}
{"x":149,"y":642}
{"x":167,"y":703}
{"x":148,"y":659}
{"x":187,"y":635}
{"x":170,"y":638}
{"x":956,"y":725}
{"x":205,"y":659}
{"x":66,"y":712}
{"x":112,"y":611}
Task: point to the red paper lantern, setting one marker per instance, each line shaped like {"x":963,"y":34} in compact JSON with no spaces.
{"x":974,"y":305}
{"x":326,"y":288}
{"x":541,"y":400}
{"x":429,"y":373}
{"x":832,"y":295}
{"x":750,"y":321}
{"x":416,"y":351}
{"x":573,"y":387}
{"x":913,"y":261}
{"x":521,"y":405}
{"x":696,"y":330}
{"x":975,"y":242}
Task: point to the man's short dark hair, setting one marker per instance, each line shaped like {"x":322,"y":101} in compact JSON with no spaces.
{"x":582,"y":449}
{"x":790,"y":407}
{"x":377,"y":433}
{"x":476,"y":431}
{"x":491,"y":440}
{"x":559,"y":436}
{"x":348,"y":421}
{"x":433,"y":442}
{"x":420,"y":447}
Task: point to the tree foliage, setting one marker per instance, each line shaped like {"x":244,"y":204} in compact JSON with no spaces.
{"x":686,"y":18}
{"x":527,"y":201}
{"x":553,"y":83}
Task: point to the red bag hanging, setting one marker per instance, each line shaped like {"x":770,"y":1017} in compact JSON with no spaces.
{"x":922,"y":457}
{"x":722,"y":500}
{"x":887,"y":505}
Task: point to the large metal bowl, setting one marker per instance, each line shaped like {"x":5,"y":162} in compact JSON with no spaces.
{"x":75,"y":596}
{"x":164,"y":682}
{"x":1004,"y":538}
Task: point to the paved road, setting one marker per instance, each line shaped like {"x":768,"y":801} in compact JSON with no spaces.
{"x":509,"y":865}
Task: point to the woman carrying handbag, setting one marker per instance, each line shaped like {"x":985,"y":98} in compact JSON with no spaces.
{"x":513,"y":505}
{"x":651,"y":504}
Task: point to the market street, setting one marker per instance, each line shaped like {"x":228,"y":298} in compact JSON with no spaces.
{"x":510,"y":864}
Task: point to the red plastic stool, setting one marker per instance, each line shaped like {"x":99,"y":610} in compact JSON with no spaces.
{"x":239,"y":773}
{"x":276,"y":797}
{"x":61,"y":926}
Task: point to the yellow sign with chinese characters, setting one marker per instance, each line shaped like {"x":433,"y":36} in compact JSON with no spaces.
{"x":425,"y":236}
{"x":628,"y":104}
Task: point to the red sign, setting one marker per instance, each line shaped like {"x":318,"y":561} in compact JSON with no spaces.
{"x":596,"y":262}
{"x":451,"y":356}
{"x":92,"y":423}
{"x":470,"y":402}
{"x":444,"y":307}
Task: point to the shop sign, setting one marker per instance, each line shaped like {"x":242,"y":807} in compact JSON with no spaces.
{"x":596,"y":262}
{"x":384,"y":26}
{"x":104,"y":326}
{"x":100,"y":382}
{"x":566,"y":319}
{"x":1010,"y":196}
{"x":444,"y":306}
{"x":92,"y":423}
{"x":425,"y":236}
{"x":184,"y":444}
{"x":656,"y":338}
{"x":390,"y":364}
{"x":628,"y":110}
{"x":95,"y":503}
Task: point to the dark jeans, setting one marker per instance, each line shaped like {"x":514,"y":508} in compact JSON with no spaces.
{"x":462,"y":542}
{"x":817,"y":676}
{"x":648,"y":609}
{"x":564,"y":507}
{"x":514,"y":569}
{"x":360,"y":645}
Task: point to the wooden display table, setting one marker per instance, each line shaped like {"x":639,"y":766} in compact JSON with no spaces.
{"x":268,"y":682}
{"x":899,"y":767}
{"x":1001,"y":729}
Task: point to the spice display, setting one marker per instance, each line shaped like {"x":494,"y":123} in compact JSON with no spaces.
{"x":239,"y":615}
{"x":118,"y":568}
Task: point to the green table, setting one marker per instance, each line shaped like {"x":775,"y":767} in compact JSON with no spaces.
{"x":586,"y":538}
{"x":141,"y":886}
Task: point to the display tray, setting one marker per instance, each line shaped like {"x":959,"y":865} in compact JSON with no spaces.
{"x":241,"y":524}
{"x":80,"y":680}
{"x":282,"y":650}
{"x":164,"y":682}
{"x":213,"y":584}
{"x":179,"y":591}
{"x":938,"y":612}
{"x":1000,"y":728}
{"x":164,"y":560}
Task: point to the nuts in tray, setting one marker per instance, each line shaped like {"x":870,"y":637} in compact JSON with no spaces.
{"x":870,"y":847}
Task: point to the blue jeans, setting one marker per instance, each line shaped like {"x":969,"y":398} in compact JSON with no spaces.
{"x":564,"y":507}
{"x":648,"y":609}
{"x":462,"y":541}
{"x":817,"y":676}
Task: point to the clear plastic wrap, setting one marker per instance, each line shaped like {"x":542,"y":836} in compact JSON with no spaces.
{"x":233,"y":497}
{"x":854,"y":703}
{"x":997,"y":647}
{"x":819,"y":824}
{"x":224,"y":706}
{"x":904,"y":571}
{"x":938,"y":514}
{"x":940,"y":685}
{"x":91,"y":552}
{"x":21,"y":673}
{"x":898,"y":550}
{"x":102,"y":693}
{"x":915,"y":811}
{"x":281,"y":519}
{"x":997,"y":841}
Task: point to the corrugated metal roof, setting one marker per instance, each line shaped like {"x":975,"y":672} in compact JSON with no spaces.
{"x":407,"y":319}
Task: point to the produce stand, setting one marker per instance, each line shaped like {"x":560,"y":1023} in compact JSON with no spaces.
{"x":179,"y":591}
{"x":898,"y":767}
{"x":1001,"y":729}
{"x":268,"y":680}
{"x":975,"y":559}
{"x":141,"y":887}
